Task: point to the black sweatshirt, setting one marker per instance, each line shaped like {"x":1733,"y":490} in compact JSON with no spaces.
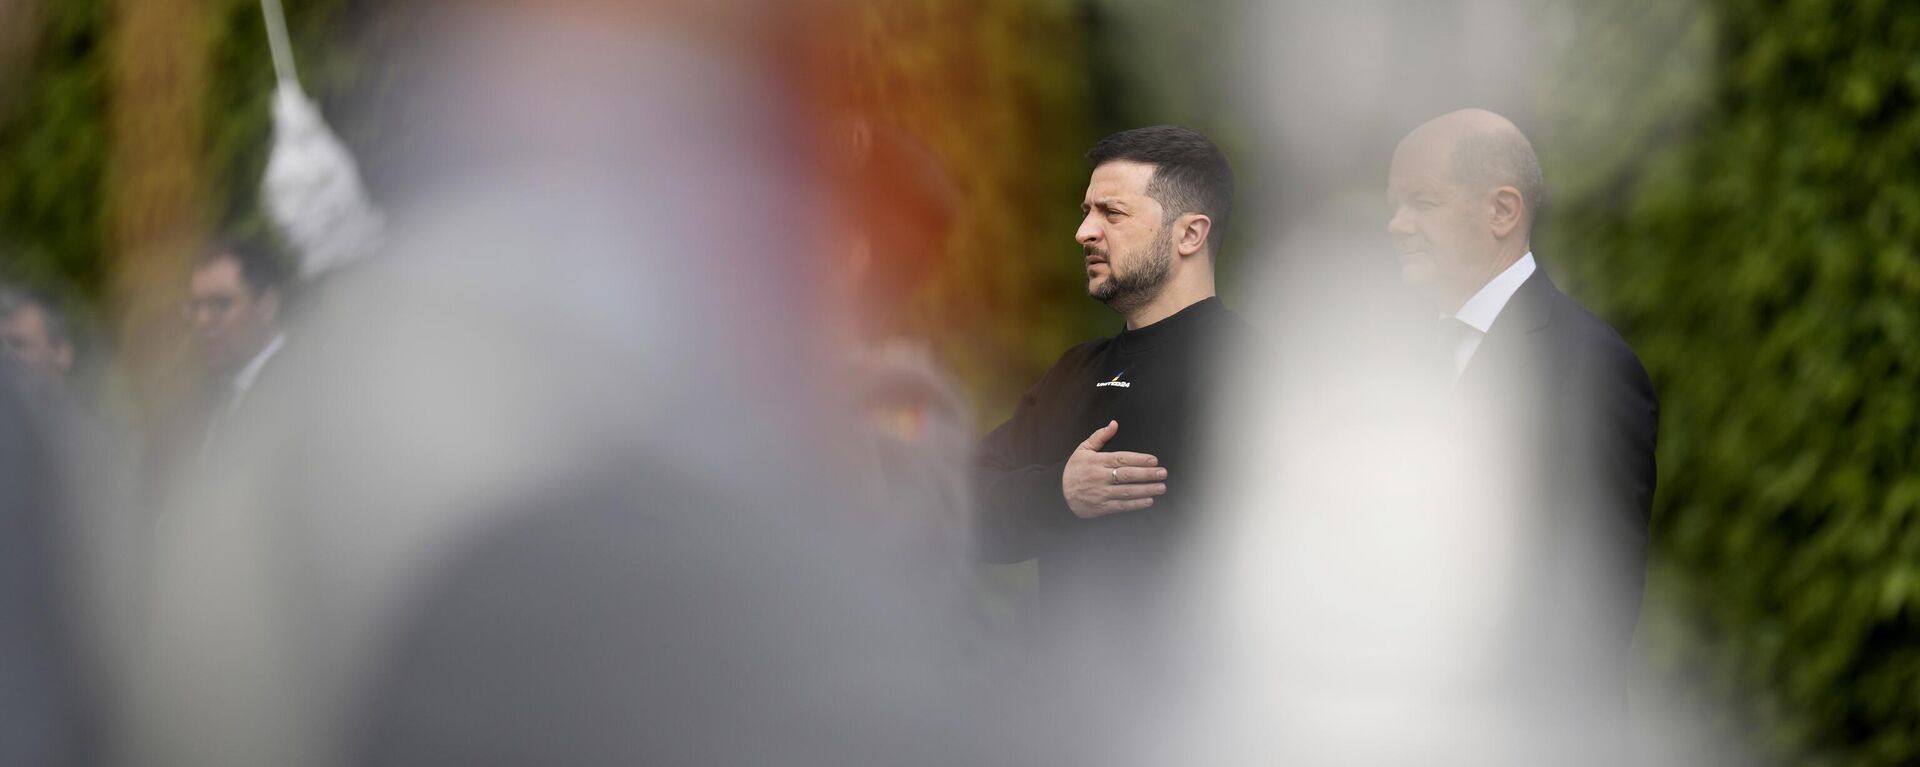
{"x":1154,"y":382}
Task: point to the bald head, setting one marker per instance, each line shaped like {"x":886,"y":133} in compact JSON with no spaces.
{"x":1465,"y":188}
{"x":1486,"y":151}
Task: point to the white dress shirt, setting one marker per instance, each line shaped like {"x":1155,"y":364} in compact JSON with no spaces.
{"x":1479,"y":312}
{"x":243,"y":381}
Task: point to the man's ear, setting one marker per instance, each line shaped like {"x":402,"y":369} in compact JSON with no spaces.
{"x":1509,"y":211}
{"x":1190,"y":233}
{"x":63,"y":356}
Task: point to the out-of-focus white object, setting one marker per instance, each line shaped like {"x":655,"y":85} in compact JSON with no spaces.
{"x":312,"y":187}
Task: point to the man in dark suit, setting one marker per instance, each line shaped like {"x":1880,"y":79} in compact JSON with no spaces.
{"x":235,"y":301}
{"x":1562,"y":400}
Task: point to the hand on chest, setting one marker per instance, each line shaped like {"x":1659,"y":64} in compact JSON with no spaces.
{"x":1150,"y":399}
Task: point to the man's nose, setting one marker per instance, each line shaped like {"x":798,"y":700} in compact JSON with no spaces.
{"x":1400,"y":223}
{"x":1088,"y":233}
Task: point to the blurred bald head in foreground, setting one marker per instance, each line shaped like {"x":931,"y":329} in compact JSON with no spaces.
{"x":1466,"y":188}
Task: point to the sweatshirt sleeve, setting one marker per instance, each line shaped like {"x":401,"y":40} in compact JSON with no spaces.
{"x":1017,"y":493}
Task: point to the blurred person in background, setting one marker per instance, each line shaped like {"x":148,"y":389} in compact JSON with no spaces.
{"x":95,"y":536}
{"x":35,"y":333}
{"x":235,"y":301}
{"x":1087,"y":474}
{"x":913,"y":458}
{"x":44,"y":717}
{"x":1565,"y":401}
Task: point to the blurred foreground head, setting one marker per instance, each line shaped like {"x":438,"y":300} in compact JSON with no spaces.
{"x":1465,"y":189}
{"x":552,"y":481}
{"x":900,"y":204}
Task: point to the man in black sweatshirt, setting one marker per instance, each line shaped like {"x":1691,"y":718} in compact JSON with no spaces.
{"x":1093,"y":474}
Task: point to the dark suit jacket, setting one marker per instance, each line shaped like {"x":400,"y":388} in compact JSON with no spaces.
{"x":1578,"y":417}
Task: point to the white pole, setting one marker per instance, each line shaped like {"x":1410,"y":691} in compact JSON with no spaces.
{"x":277,"y":40}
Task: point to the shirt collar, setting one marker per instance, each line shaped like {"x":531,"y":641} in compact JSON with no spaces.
{"x":1480,"y":310}
{"x":243,"y":381}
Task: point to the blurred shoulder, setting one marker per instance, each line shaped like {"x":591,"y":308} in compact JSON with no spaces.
{"x":1596,"y":344}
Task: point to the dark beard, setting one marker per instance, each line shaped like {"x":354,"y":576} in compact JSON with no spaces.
{"x":1126,"y":291}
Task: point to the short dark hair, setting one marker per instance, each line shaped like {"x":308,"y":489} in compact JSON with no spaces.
{"x":1190,"y":174}
{"x":260,"y":267}
{"x":13,"y":299}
